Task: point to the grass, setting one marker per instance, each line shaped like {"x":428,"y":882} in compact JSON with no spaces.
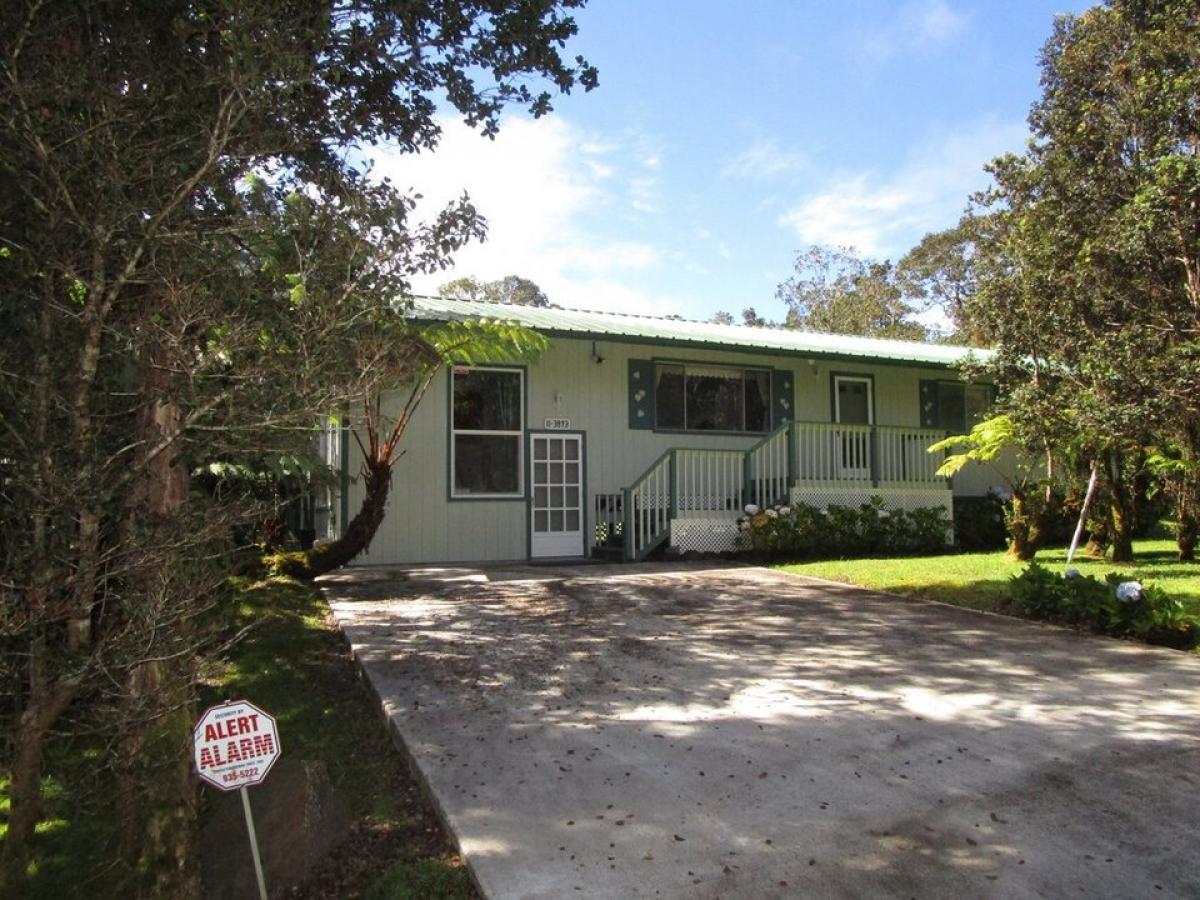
{"x":294,"y":663}
{"x":71,"y":845}
{"x":980,"y":580}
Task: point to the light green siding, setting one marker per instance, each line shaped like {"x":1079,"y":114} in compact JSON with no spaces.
{"x":423,"y":525}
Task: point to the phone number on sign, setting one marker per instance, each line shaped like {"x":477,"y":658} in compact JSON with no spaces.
{"x":239,"y":775}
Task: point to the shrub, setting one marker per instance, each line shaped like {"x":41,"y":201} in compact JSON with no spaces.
{"x":803,"y":531}
{"x":1116,"y":605}
{"x":979,"y":523}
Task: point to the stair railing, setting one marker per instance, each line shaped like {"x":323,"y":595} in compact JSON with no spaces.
{"x":649,"y":508}
{"x":768,"y":468}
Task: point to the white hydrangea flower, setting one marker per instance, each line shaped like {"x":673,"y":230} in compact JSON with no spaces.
{"x":1129,"y":591}
{"x":743,"y":525}
{"x":751,"y":509}
{"x":771,"y":514}
{"x":1071,"y":573}
{"x":785,"y":510}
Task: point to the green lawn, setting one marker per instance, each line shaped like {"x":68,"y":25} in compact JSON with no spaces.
{"x":294,"y":663}
{"x":978,"y":580}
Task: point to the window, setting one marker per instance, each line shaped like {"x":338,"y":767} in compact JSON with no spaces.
{"x":961,"y":406}
{"x":711,"y":398}
{"x":486,"y":416}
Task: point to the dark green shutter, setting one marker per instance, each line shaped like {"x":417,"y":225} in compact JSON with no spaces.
{"x":641,"y":393}
{"x":929,"y":404}
{"x":783,"y":396}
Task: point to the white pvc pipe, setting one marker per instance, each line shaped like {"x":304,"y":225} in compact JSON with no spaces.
{"x":1087,"y":501}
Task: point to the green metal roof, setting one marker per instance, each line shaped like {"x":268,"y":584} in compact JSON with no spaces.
{"x":562,"y":322}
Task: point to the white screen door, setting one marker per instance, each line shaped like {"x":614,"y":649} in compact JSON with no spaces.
{"x":852,"y":407}
{"x":556,"y":502}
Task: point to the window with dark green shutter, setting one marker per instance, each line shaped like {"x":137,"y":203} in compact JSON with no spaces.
{"x":954,"y":406}
{"x":698,"y":397}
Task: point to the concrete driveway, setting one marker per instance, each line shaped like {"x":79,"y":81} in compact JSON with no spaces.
{"x":705,"y":731}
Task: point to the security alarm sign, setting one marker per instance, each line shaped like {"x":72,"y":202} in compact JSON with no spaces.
{"x":236,"y":744}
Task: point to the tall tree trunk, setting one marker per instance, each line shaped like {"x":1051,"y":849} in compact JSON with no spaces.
{"x":1187,"y":529}
{"x":1021,"y":532}
{"x":156,"y":786}
{"x":361,"y":530}
{"x":45,"y":704}
{"x":39,"y":700}
{"x":1122,"y":516}
{"x":1187,"y":499}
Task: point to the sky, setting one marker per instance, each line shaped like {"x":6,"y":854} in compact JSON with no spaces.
{"x":724,"y":138}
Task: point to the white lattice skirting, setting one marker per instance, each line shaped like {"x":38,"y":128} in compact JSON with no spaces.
{"x":703,"y":535}
{"x":718,"y":535}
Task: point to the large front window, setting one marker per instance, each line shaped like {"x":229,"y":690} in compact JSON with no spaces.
{"x":486,"y":436}
{"x":711,"y":398}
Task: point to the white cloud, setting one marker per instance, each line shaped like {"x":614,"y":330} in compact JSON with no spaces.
{"x":918,"y":26}
{"x":535,"y":184}
{"x":886,"y":214}
{"x":765,"y":159}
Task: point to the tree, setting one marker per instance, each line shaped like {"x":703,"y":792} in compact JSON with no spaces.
{"x":511,"y":289}
{"x":423,"y":351}
{"x":158,"y":322}
{"x":750,"y":319}
{"x":939,"y":273}
{"x":837,"y":291}
{"x":1089,"y":258}
{"x":999,"y":442}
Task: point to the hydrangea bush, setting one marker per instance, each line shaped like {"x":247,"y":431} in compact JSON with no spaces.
{"x":1115,"y":605}
{"x":803,"y":531}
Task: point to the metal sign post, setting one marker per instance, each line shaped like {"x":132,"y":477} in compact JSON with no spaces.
{"x":258,"y":869}
{"x":236,"y":744}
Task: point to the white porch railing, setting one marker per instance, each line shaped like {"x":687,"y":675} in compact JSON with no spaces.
{"x":830,"y":452}
{"x":703,"y":483}
{"x":904,"y":455}
{"x":870,"y":454}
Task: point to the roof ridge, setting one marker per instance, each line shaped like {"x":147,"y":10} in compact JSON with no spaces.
{"x":582,"y":309}
{"x":653,"y":318}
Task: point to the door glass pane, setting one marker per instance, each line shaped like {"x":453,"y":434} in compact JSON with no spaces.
{"x":572,"y":497}
{"x":556,"y":496}
{"x":572,"y":449}
{"x":556,"y":473}
{"x":853,"y":402}
{"x":540,"y":520}
{"x":539,"y":448}
{"x":539,"y":496}
{"x":556,"y":520}
{"x":571,"y":473}
{"x":572,"y":520}
{"x":539,"y":473}
{"x":556,"y":449}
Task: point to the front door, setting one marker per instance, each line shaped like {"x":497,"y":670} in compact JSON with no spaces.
{"x":853,"y":407}
{"x":556,"y":494}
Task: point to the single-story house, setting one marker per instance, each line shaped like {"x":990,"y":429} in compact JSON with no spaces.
{"x":635,"y":431}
